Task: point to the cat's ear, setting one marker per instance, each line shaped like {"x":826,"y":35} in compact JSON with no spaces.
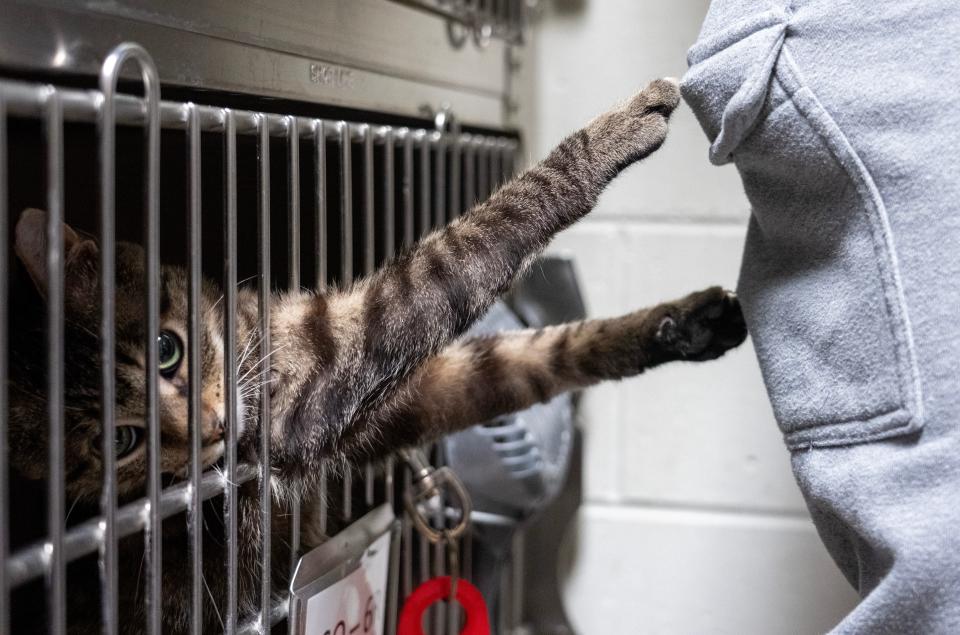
{"x":80,"y":253}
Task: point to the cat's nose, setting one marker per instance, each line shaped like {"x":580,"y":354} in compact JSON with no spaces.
{"x":213,"y":426}
{"x":217,"y":429}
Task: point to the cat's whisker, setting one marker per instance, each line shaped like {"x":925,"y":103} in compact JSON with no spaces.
{"x":251,"y":345}
{"x":249,"y":391}
{"x":226,"y":481}
{"x":215,"y":536}
{"x":136,"y":591}
{"x":82,"y":327}
{"x":252,"y":383}
{"x":252,"y":391}
{"x":216,"y":609}
{"x":214,"y":305}
{"x":248,"y":279}
{"x":254,"y":372}
{"x":275,"y":350}
{"x":70,"y":511}
{"x":256,"y":364}
{"x":220,"y":299}
{"x":247,"y":395}
{"x":251,"y":342}
{"x":254,"y":367}
{"x":246,"y":349}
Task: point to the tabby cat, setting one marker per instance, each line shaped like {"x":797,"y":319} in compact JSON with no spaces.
{"x":355,"y":373}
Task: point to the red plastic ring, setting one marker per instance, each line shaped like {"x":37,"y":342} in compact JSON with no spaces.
{"x":435,"y":589}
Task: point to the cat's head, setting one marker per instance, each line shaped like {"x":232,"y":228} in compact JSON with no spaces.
{"x":29,"y":427}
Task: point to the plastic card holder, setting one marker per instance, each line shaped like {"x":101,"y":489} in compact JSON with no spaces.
{"x":348,"y":585}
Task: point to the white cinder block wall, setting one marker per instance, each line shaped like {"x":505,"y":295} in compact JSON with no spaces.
{"x":691,"y":521}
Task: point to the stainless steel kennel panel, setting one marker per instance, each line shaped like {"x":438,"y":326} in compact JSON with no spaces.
{"x":298,"y":144}
{"x":379,"y":186}
{"x":373,"y":54}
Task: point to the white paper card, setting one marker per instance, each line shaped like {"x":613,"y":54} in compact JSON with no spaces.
{"x":356,"y":604}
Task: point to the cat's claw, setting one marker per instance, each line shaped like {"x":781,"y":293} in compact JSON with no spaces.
{"x":702,"y":326}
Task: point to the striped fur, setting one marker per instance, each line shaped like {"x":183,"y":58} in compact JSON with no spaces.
{"x":370,"y":338}
{"x":355,"y":374}
{"x":478,"y":379}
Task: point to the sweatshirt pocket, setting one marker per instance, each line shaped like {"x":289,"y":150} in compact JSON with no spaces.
{"x":819,"y":283}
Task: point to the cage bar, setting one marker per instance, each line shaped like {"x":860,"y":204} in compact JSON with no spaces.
{"x":56,"y":572}
{"x":467,"y":551}
{"x":323,"y":511}
{"x":509,"y":158}
{"x":293,"y":201}
{"x":440,"y":609}
{"x":369,"y":258}
{"x":422,"y":139}
{"x":408,"y":195}
{"x":389,"y":194}
{"x":389,"y":237}
{"x":195,"y":509}
{"x":424,"y":553}
{"x":108,"y":552}
{"x":369,"y":202}
{"x":347,"y":509}
{"x":440,"y":176}
{"x":346,"y":204}
{"x":106,"y":118}
{"x":25,"y":99}
{"x":406,"y":544}
{"x":515,"y":613}
{"x":456,"y":198}
{"x":346,"y":258}
{"x":154,"y":561}
{"x":31,"y":562}
{"x":470,"y":173}
{"x":406,"y":525}
{"x":320,"y":200}
{"x":321,"y":253}
{"x":230,"y":362}
{"x":483,"y":169}
{"x":496,"y":173}
{"x":293,"y":280}
{"x":440,"y":180}
{"x":263,"y":319}
{"x":4,"y":406}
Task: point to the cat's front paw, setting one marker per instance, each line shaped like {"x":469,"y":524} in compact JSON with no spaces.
{"x":639,"y":126}
{"x":704,"y":325}
{"x":660,"y":97}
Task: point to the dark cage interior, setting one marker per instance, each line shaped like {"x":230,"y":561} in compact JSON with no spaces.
{"x":313,"y":199}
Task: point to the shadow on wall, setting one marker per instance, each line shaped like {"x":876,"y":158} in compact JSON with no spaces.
{"x":569,"y":8}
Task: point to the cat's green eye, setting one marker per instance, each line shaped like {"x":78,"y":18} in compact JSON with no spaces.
{"x":126,"y":439}
{"x":171,"y":353}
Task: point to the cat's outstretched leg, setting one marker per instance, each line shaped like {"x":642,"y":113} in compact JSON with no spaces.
{"x":360,"y":344}
{"x":478,"y":379}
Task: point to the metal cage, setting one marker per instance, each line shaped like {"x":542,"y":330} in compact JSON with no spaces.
{"x":330,"y":199}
